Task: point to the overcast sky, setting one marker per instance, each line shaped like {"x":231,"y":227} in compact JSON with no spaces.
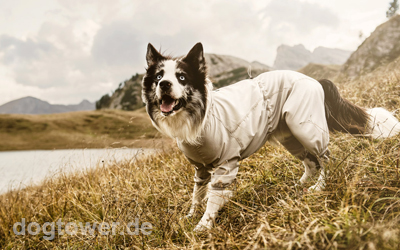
{"x":68,"y":50}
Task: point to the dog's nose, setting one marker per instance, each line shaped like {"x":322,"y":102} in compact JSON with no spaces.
{"x":165,"y":85}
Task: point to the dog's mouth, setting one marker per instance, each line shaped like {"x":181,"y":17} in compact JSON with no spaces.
{"x":168,"y":104}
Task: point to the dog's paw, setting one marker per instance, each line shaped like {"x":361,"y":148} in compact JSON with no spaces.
{"x":188,"y":216}
{"x":201,"y":227}
{"x":191,"y":212}
{"x":299,"y":188}
{"x":206,"y":223}
{"x":316,"y":188}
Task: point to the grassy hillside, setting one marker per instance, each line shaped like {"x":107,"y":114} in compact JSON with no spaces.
{"x":320,"y":71}
{"x":85,"y":129}
{"x":234,"y":76}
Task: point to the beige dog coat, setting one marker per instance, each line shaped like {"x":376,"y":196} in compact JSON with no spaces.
{"x":243,"y":116}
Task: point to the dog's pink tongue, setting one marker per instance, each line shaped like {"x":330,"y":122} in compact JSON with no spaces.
{"x":167,"y":105}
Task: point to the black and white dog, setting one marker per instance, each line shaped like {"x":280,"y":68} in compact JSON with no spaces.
{"x":216,"y":129}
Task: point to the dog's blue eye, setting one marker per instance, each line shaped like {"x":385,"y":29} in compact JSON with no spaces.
{"x":182,"y":78}
{"x":159,"y":77}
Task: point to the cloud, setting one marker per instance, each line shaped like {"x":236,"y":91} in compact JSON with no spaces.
{"x":17,"y":51}
{"x":55,"y":57}
{"x":35,"y":62}
{"x":118,"y":43}
{"x":89,"y":47}
{"x":291,"y":21}
{"x":72,"y":50}
{"x":304,"y":16}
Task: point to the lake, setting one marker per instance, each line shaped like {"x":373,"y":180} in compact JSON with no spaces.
{"x":21,"y":168}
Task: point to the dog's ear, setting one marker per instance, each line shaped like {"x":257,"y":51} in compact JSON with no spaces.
{"x":195,"y":57}
{"x":152,"y":55}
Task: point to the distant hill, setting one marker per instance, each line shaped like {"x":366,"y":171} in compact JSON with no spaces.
{"x":126,"y":97}
{"x":82,"y":129}
{"x":222,"y":70}
{"x":381,"y":48}
{"x":32,"y":105}
{"x":296,"y":57}
{"x":225,"y":70}
{"x":320,"y":71}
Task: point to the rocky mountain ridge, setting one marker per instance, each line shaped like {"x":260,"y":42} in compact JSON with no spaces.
{"x":382,"y":47}
{"x":33,"y":106}
{"x":297,"y":56}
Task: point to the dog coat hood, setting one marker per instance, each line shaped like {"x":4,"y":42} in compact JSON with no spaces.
{"x":242,"y":117}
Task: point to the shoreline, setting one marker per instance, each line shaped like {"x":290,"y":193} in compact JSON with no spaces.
{"x":82,"y":129}
{"x":29,"y":168}
{"x":156,"y":143}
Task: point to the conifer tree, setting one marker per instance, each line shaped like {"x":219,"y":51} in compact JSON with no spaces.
{"x":394,"y":6}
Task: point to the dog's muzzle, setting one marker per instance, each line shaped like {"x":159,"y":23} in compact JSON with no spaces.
{"x":168,"y":104}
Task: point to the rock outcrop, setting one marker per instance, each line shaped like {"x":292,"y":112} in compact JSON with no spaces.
{"x":296,"y":57}
{"x":380,"y":48}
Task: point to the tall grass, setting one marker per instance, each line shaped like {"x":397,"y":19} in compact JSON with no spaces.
{"x":360,"y":208}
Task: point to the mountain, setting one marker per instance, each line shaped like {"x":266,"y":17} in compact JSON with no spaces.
{"x":126,"y":97}
{"x":222,"y":70}
{"x":32,"y":105}
{"x":381,"y":48}
{"x":296,"y":57}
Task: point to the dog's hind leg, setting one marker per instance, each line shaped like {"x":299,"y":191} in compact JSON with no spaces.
{"x":312,"y":165}
{"x":304,"y":114}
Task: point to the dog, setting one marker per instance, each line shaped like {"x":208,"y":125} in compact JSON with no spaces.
{"x":217,"y":128}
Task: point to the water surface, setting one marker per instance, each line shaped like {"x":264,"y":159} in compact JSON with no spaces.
{"x":21,"y":168}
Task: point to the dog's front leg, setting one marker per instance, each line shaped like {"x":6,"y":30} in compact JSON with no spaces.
{"x":199,"y":194}
{"x":216,"y":200}
{"x":201,"y":178}
{"x":218,"y":195}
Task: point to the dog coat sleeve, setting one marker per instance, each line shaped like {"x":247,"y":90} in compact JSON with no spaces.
{"x":225,"y":174}
{"x":202,"y":174}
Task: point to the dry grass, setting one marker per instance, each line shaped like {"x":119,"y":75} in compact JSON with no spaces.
{"x":85,"y":129}
{"x":360,"y":208}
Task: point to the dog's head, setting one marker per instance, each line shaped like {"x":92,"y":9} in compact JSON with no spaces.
{"x":175,"y":89}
